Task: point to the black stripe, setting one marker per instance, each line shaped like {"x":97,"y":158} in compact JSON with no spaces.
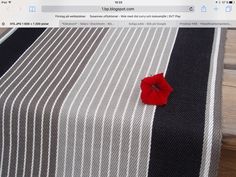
{"x":15,"y":45}
{"x":178,"y":128}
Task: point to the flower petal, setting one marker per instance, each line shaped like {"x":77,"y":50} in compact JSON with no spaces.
{"x":155,"y":90}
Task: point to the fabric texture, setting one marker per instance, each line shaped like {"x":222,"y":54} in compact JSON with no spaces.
{"x":70,"y":104}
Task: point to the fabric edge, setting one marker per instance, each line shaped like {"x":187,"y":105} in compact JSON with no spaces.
{"x":213,"y":109}
{"x":217,"y":135}
{"x":6,"y":34}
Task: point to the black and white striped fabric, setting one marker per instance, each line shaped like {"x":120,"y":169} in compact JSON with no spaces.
{"x":70,"y":103}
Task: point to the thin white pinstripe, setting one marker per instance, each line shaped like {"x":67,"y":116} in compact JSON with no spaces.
{"x":12,"y":106}
{"x":4,"y":113}
{"x":66,"y":84}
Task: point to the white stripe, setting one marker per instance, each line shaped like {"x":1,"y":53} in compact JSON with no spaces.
{"x":81,"y":89}
{"x":55,"y":57}
{"x":35,"y":92}
{"x":68,"y":94}
{"x":38,"y":103}
{"x":80,"y":63}
{"x":19,"y":60}
{"x":75,"y":137}
{"x":99,"y":104}
{"x":173,"y":43}
{"x":145,"y":107}
{"x":4,"y":111}
{"x":77,"y":112}
{"x":48,"y":57}
{"x":45,"y":104}
{"x":211,"y":107}
{"x":113,"y":116}
{"x":126,"y":107}
{"x":11,"y":111}
{"x":101,"y":150}
{"x":86,"y":114}
{"x":56,"y":173}
{"x":22,"y":64}
{"x":7,"y":35}
{"x":132,"y":119}
{"x":27,"y":110}
{"x":153,"y":112}
{"x":64,"y":88}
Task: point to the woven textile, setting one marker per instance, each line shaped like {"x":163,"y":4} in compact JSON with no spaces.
{"x":70,"y":102}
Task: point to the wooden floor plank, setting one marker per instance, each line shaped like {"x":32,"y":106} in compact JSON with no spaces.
{"x":227,"y":167}
{"x":230,"y":50}
{"x":229,"y":78}
{"x":229,"y":110}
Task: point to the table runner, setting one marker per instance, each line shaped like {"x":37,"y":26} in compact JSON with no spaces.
{"x":70,"y":104}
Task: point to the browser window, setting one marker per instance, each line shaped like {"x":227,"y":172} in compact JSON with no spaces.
{"x":117,"y":88}
{"x":72,"y":13}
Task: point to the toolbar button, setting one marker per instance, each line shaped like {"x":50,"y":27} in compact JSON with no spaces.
{"x":204,"y":9}
{"x":228,"y":8}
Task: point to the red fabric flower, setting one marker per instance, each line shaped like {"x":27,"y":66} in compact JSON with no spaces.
{"x":155,"y":90}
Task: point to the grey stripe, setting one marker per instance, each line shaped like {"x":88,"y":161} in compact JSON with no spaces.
{"x":125,"y":139}
{"x":4,"y":80}
{"x":86,"y":95}
{"x":46,"y":96}
{"x":105,"y":134}
{"x":75,"y":62}
{"x":134,"y":125}
{"x":26,"y":88}
{"x":94,"y":103}
{"x":63,"y":95}
{"x":35,"y":100}
{"x":23,"y":61}
{"x":141,"y":64}
{"x":217,"y":115}
{"x":80,"y":119}
{"x":100,"y":109}
{"x":90,"y":86}
{"x":11,"y":93}
{"x":5,"y":32}
{"x":137,"y":116}
{"x":61,"y":136}
{"x":38,"y":104}
{"x":14,"y":108}
{"x":38,"y":84}
{"x":169,"y":43}
{"x":15,"y":92}
{"x":33,"y":66}
{"x":111,"y":68}
{"x":87,"y":71}
{"x":148,"y":114}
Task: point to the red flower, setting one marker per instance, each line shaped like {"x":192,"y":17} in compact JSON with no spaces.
{"x":155,"y":90}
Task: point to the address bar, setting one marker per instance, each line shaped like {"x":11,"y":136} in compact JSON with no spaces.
{"x":46,"y":8}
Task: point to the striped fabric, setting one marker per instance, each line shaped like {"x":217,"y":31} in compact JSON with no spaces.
{"x":70,"y":104}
